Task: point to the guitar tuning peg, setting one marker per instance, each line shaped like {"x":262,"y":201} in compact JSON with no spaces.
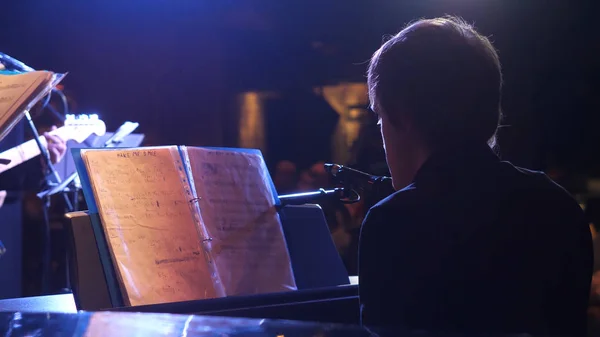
{"x":70,"y":117}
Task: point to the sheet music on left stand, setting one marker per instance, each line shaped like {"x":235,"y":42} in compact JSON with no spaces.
{"x":19,"y":92}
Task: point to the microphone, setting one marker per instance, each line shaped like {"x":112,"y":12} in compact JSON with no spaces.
{"x":347,"y":175}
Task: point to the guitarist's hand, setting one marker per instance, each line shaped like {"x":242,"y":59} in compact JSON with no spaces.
{"x":57,"y":147}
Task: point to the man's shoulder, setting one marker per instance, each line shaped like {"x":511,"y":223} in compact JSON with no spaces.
{"x":503,"y":181}
{"x":532,"y":176}
{"x":536,"y":182}
{"x":535,"y":195}
{"x":397,"y":198}
{"x":397,"y":203}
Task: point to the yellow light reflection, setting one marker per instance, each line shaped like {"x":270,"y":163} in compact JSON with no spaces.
{"x":348,"y":100}
{"x":252,"y":131}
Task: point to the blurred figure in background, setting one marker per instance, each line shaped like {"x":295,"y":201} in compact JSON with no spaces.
{"x":285,"y":177}
{"x":321,"y":178}
{"x":346,"y":235}
{"x":306,"y":182}
{"x":342,"y":220}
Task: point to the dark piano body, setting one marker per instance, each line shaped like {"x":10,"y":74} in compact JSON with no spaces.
{"x":324,"y":293}
{"x":325,"y":301}
{"x":161,"y":325}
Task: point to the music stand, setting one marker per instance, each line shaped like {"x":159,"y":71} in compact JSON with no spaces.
{"x":123,"y":137}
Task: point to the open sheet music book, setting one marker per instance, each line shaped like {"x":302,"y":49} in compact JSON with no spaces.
{"x":19,"y":92}
{"x":186,"y":223}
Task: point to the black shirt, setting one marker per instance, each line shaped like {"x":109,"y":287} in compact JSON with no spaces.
{"x":476,"y":244}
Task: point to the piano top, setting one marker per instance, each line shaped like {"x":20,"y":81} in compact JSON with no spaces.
{"x":62,"y":303}
{"x":57,"y":316}
{"x":90,"y":324}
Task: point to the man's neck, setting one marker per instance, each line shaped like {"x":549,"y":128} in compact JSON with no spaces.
{"x":418,"y":157}
{"x":446,"y":156}
{"x":422,"y":155}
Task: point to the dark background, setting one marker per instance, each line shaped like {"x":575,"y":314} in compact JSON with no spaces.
{"x":176,"y":66}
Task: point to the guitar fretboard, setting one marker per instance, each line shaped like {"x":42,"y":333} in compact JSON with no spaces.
{"x":21,"y":153}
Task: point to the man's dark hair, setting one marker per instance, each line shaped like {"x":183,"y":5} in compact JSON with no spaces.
{"x":445,"y":76}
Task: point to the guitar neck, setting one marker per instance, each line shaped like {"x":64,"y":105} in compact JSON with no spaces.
{"x":77,"y":129}
{"x":21,"y":153}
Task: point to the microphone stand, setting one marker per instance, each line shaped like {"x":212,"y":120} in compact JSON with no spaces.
{"x":51,"y":178}
{"x":371,"y":187}
{"x":347,"y":193}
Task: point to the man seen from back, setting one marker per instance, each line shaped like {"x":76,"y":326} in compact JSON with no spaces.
{"x":468,"y":242}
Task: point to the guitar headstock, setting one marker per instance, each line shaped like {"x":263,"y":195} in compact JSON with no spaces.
{"x":80,"y":127}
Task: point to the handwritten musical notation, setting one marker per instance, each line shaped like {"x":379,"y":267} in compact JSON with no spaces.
{"x":13,"y":87}
{"x":16,"y":91}
{"x":176,"y":240}
{"x":238,"y":210}
{"x":149,"y":224}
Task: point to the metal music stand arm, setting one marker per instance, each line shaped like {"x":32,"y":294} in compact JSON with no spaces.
{"x":344,"y":195}
{"x":51,"y":177}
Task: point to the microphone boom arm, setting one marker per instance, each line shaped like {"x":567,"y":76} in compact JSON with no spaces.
{"x":345,"y":195}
